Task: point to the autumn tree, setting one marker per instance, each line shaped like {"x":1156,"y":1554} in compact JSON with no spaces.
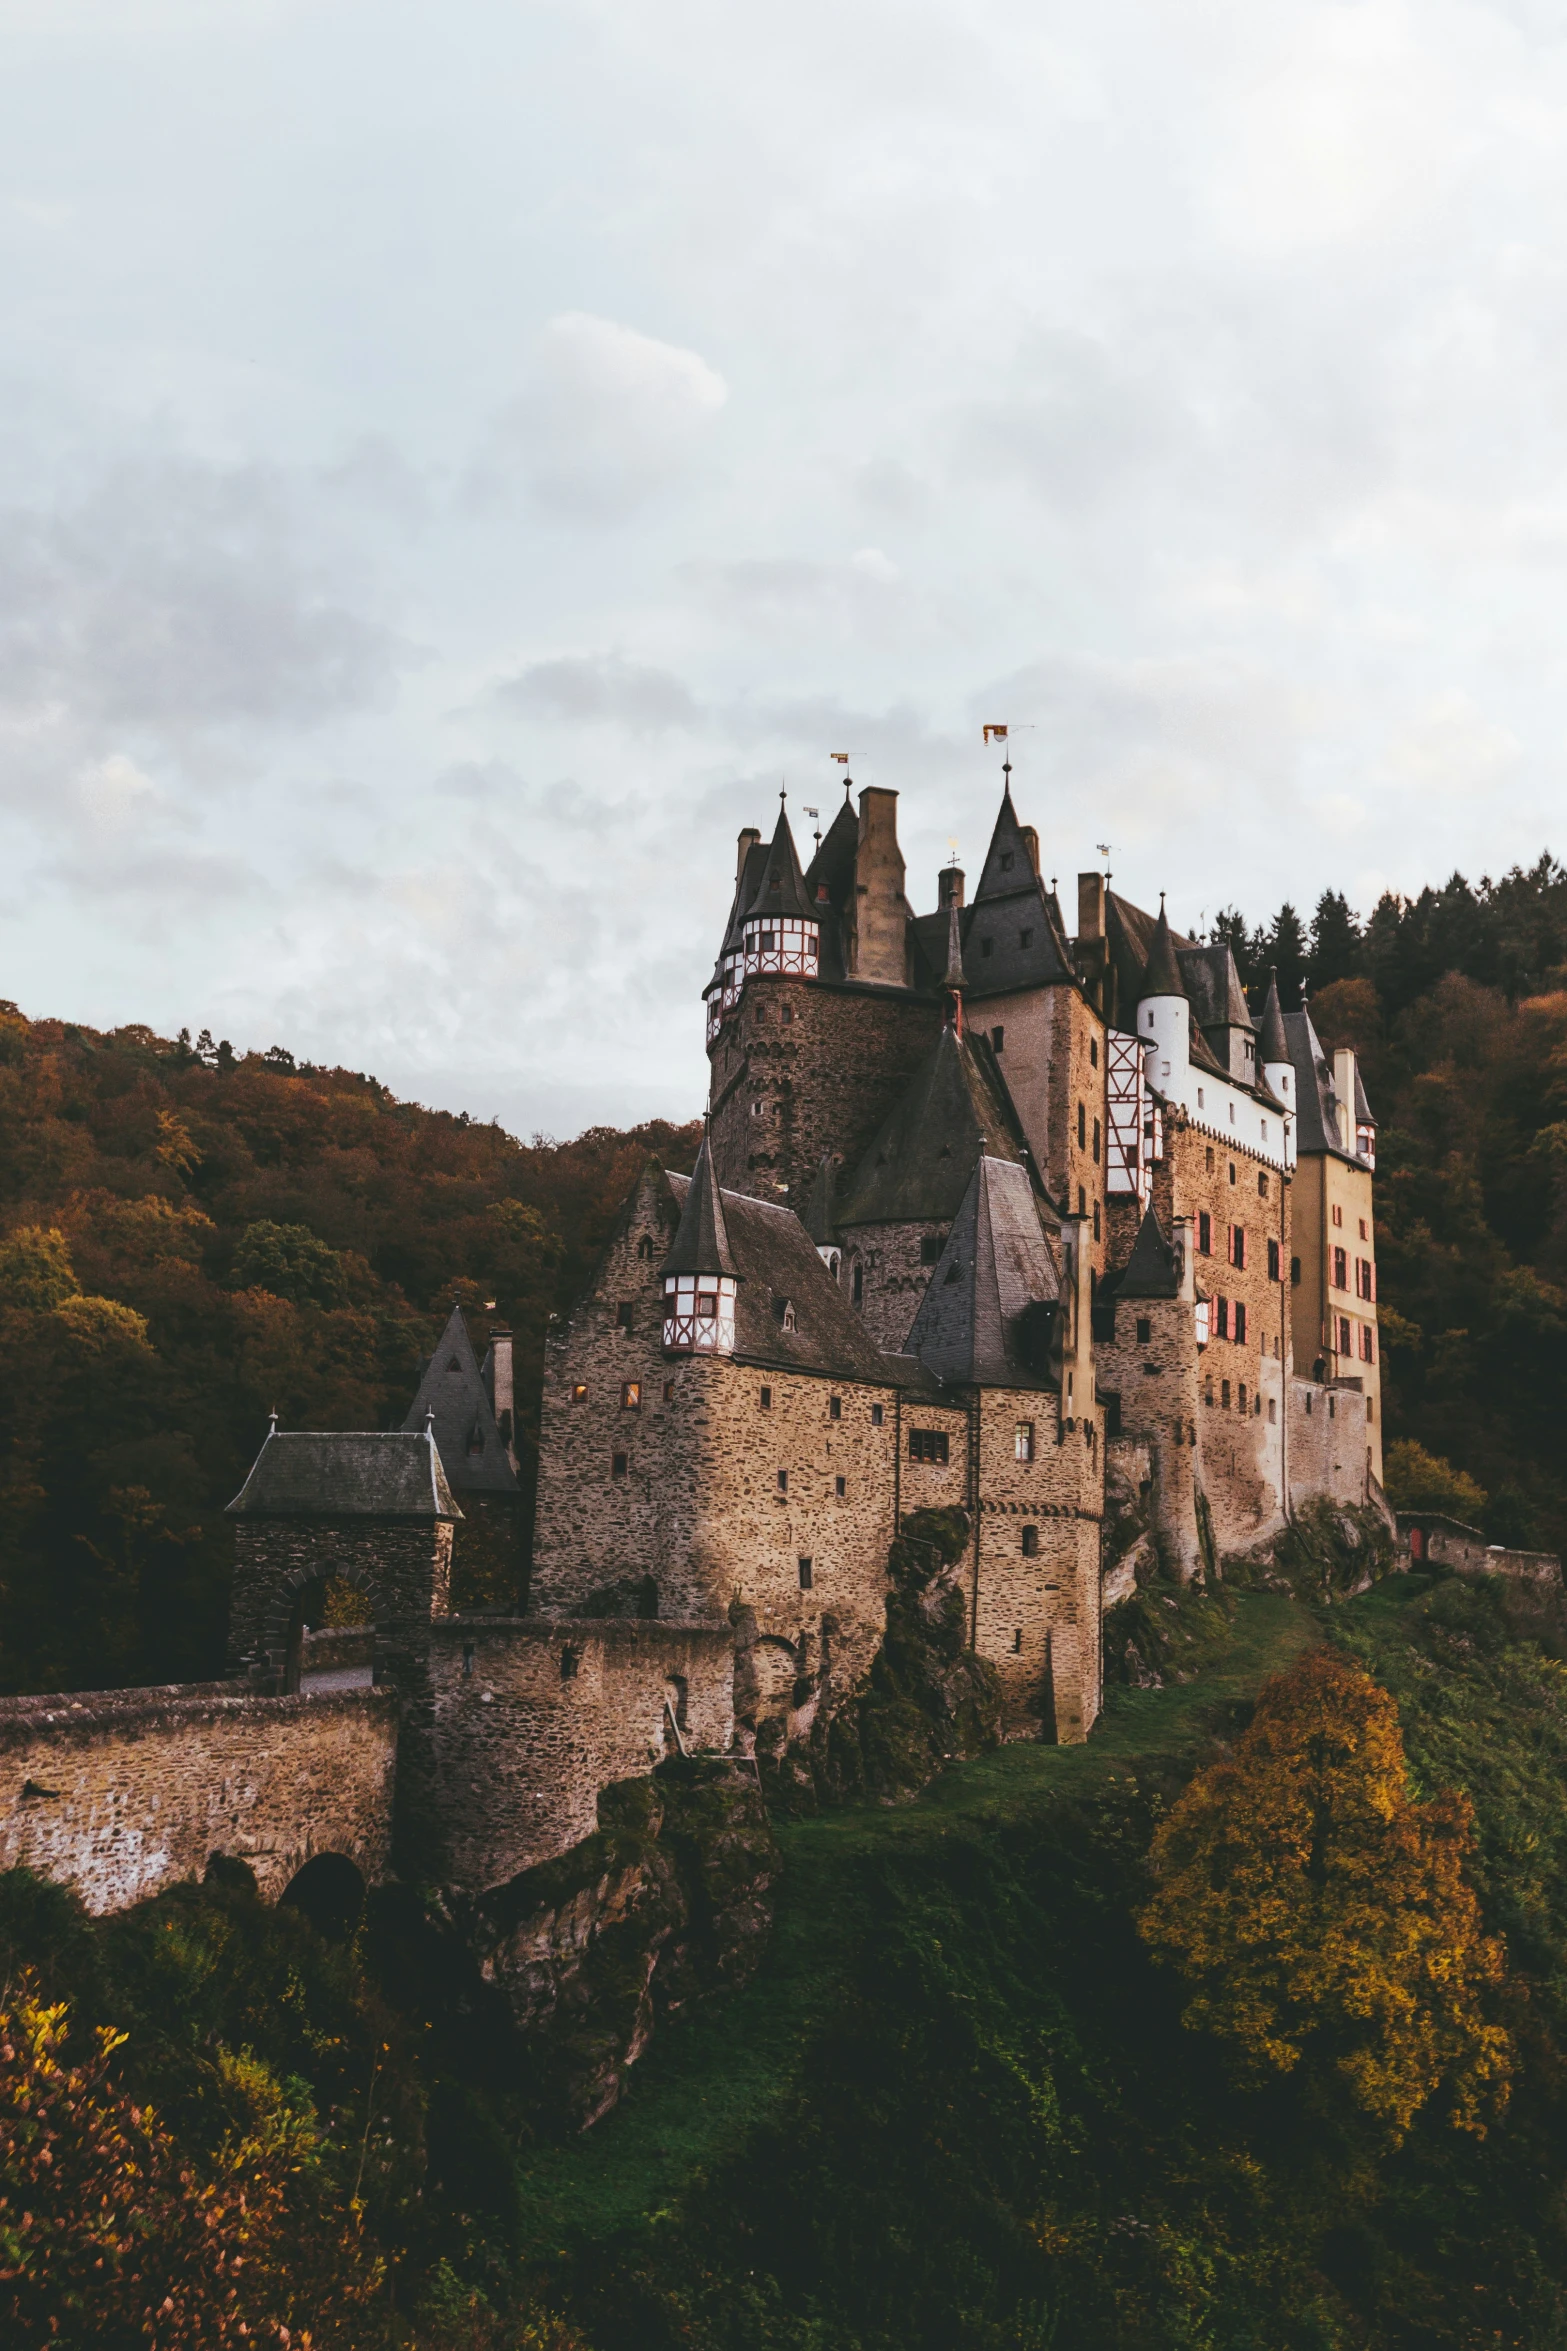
{"x":1322,"y":1918}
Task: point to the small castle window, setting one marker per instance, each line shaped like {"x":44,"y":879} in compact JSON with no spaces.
{"x":1240,"y":1322}
{"x":1274,"y":1261}
{"x":467,"y":1659}
{"x":858,"y":1285}
{"x":954,"y":1274}
{"x":625,"y":1316}
{"x":931,"y":1246}
{"x":764,"y":1399}
{"x":1295,"y":1273}
{"x":1096,"y":1142}
{"x":1031,"y":1542}
{"x":878,"y":1415}
{"x":645,"y":1247}
{"x":631,"y":1396}
{"x":783,"y":1481}
{"x":617,"y":1465}
{"x":1238,"y":1246}
{"x":570,"y":1659}
{"x":707,"y":1306}
{"x":1221,"y":1318}
{"x":1082,"y":1126}
{"x":669,"y":1391}
{"x":1273,"y":1411}
{"x":821,"y":893}
{"x":1262,"y":1184}
{"x":1210,"y":1149}
{"x":579,"y":1393}
{"x":805,"y":1575}
{"x":1240,"y":1397}
{"x":1023,"y":1441}
{"x":1082,"y":1201}
{"x":928,"y":1445}
{"x":1232,"y":1171}
{"x":1224,"y":1394}
{"x":1363,"y":1233}
{"x":835,"y":1408}
{"x":985,"y":946}
{"x":1017,"y":1640}
{"x":1144,"y":1331}
{"x":1338,"y":1215}
{"x":840,"y":1487}
{"x":998,"y":1038}
{"x":1093,"y":1052}
{"x":1204,"y":1232}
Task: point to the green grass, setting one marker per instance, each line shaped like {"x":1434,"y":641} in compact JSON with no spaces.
{"x":709,"y":2080}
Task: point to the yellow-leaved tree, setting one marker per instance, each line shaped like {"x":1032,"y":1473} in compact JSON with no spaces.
{"x":1318,"y":1913}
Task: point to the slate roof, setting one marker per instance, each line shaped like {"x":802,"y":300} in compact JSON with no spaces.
{"x":981,"y":1321}
{"x":1161,"y":973}
{"x":832,"y":870}
{"x":917,"y":1169}
{"x":1316,"y":1103}
{"x":1152,"y":1271}
{"x":747,"y":883}
{"x":701,"y":1242}
{"x":821,"y":1208}
{"x":1273,"y":1044}
{"x":781,"y":889}
{"x":1213,"y":986}
{"x":453,"y":1388}
{"x":345,"y":1473}
{"x":776,"y":1262}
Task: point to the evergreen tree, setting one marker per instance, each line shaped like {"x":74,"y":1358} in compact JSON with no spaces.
{"x":1284,"y":948}
{"x":1336,"y":945}
{"x":1229,"y":930}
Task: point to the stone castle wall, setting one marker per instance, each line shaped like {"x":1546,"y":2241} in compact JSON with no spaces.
{"x":402,"y":1566}
{"x":804,"y":1068}
{"x":123,"y":1792}
{"x":1327,"y":1444}
{"x":1036,"y":1613}
{"x":528,"y":1720}
{"x":1155,"y":1382}
{"x":1052,"y":1056}
{"x":893,"y":1275}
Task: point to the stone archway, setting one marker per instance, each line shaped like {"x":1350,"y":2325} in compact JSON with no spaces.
{"x":289,"y":1606}
{"x":330,"y":1892}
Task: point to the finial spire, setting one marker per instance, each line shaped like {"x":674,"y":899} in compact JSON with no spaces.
{"x":272,"y":1418}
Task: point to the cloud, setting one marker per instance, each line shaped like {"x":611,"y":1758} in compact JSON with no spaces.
{"x":602,"y":689}
{"x":608,"y":419}
{"x":180,"y":596}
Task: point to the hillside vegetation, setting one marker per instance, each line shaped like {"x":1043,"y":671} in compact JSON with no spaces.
{"x":189,"y":1241}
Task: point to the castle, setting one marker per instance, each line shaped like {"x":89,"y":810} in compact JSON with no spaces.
{"x":1041,"y":1226}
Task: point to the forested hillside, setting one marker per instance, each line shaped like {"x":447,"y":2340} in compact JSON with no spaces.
{"x":189,"y":1239}
{"x":1457,"y":1001}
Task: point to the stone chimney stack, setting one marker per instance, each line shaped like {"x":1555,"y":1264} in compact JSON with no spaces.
{"x":503,"y":1399}
{"x":949,"y":886}
{"x":1030,"y":840}
{"x":881,"y":913}
{"x":748,"y":841}
{"x":1090,"y":907}
{"x":1344,"y":1088}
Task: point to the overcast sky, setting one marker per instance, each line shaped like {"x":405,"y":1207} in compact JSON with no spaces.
{"x":457,"y":459}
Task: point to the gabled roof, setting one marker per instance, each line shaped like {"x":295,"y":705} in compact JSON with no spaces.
{"x":980,"y":1322}
{"x":345,"y":1473}
{"x":776,"y":1261}
{"x":918,"y":1167}
{"x":1273,"y":1046}
{"x":701,"y":1245}
{"x":1152,"y":1271}
{"x":781,"y":889}
{"x":1213,"y":986}
{"x":453,"y":1389}
{"x":1316,"y":1103}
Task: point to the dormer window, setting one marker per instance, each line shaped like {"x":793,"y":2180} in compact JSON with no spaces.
{"x":783,"y":1313}
{"x":821,"y":893}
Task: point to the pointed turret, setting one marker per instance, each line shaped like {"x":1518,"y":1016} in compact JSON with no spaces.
{"x":454,"y":1404}
{"x":781,"y":931}
{"x":1164,"y":1014}
{"x":699,"y":1273}
{"x":1278,"y":1070}
{"x":1012,"y":937}
{"x":1154,"y":1268}
{"x":723,"y":989}
{"x":986,"y":1319}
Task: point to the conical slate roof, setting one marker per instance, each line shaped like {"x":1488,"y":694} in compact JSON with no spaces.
{"x":471,"y":1449}
{"x":1273,"y":1044}
{"x":1162,"y":975}
{"x":981,"y":1320}
{"x":701,"y":1245}
{"x":916,"y":1169}
{"x":1153,"y":1270}
{"x":781,"y":890}
{"x":1011,"y":938}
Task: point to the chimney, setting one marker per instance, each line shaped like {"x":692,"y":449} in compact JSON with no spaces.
{"x":1090,"y":906}
{"x":1031,"y":843}
{"x":748,"y":841}
{"x":949,"y":887}
{"x":881,"y":915}
{"x":1344,"y":1088}
{"x":501,"y":1390}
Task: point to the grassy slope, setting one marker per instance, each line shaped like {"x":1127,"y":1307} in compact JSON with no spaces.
{"x":706,"y":2085}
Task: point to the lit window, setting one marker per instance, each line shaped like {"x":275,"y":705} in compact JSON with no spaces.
{"x":631,"y":1396}
{"x":579,"y":1392}
{"x":669,"y":1391}
{"x":1023,"y":1441}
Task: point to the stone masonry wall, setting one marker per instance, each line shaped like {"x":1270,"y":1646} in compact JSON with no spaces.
{"x":121,"y":1793}
{"x":894,"y":1275}
{"x":529,"y":1720}
{"x":1053,"y":1059}
{"x":805,"y":1068}
{"x":402,"y":1566}
{"x":1156,"y":1381}
{"x":1327,"y":1444}
{"x":1050,"y":1680}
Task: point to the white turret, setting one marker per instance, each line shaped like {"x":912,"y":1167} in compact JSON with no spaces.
{"x":1164,"y":1017}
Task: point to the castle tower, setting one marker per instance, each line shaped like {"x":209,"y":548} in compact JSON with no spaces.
{"x":780,"y":933}
{"x":699,"y":1274}
{"x":1278,"y":1069}
{"x":1164,"y":1015}
{"x":1148,"y":1360}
